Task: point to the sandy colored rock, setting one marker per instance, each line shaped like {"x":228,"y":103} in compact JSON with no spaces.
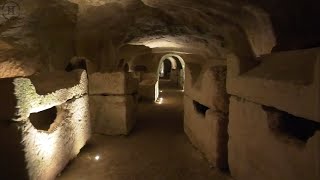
{"x":36,"y":153}
{"x":207,"y":132}
{"x":113,"y":115}
{"x":256,"y":152}
{"x":115,"y":83}
{"x":14,"y":68}
{"x":40,"y":40}
{"x":39,"y":92}
{"x":207,"y":86}
{"x":287,"y":81}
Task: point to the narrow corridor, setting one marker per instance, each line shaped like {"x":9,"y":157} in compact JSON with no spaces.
{"x":157,"y":149}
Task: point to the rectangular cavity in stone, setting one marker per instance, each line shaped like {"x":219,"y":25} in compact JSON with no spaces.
{"x":262,"y":146}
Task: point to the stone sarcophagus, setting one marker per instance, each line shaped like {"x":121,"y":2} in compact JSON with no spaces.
{"x":113,"y":102}
{"x":274,"y":119}
{"x":205,"y":111}
{"x":45,"y":121}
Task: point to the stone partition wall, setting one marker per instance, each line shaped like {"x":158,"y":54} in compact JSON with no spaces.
{"x":205,"y":112}
{"x":149,"y":86}
{"x":207,"y":130}
{"x":113,"y":101}
{"x":274,"y":129}
{"x":45,"y":119}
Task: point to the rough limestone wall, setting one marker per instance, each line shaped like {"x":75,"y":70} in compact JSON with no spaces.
{"x":276,"y":82}
{"x":100,"y":44}
{"x":112,"y":83}
{"x":30,"y":101}
{"x":207,"y":85}
{"x":113,"y":102}
{"x":207,"y":132}
{"x":206,"y":108}
{"x":42,"y":154}
{"x":40,"y":39}
{"x":256,"y":152}
{"x":47,"y":153}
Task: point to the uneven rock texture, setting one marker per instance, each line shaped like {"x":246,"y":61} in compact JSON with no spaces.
{"x":258,"y":152}
{"x":38,"y":92}
{"x":40,"y":39}
{"x":115,"y":83}
{"x":48,"y":153}
{"x":42,"y":154}
{"x":47,"y":35}
{"x":207,"y":132}
{"x":288,"y":81}
{"x":113,"y":115}
{"x":113,"y":102}
{"x":207,"y":85}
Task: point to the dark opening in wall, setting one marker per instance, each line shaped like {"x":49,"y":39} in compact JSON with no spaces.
{"x":77,"y":64}
{"x":44,"y":119}
{"x":200,"y":108}
{"x":140,"y":68}
{"x":283,"y":123}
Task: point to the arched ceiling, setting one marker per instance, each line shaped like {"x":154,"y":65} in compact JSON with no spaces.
{"x":181,"y":25}
{"x":49,"y":33}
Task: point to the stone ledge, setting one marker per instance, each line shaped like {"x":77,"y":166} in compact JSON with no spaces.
{"x":115,"y":83}
{"x":281,"y":80}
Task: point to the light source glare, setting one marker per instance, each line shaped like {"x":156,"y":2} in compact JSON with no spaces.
{"x":159,"y":100}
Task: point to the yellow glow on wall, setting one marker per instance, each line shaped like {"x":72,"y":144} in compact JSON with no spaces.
{"x":159,"y":101}
{"x":162,"y":44}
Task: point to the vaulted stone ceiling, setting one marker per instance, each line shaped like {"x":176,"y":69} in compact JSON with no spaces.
{"x":49,"y":33}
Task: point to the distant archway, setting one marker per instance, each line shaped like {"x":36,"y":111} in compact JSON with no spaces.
{"x":177,"y":71}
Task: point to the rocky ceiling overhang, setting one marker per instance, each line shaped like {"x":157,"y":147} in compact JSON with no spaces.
{"x":148,"y":19}
{"x":49,"y":33}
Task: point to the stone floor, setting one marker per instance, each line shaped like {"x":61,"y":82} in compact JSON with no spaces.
{"x":157,"y":149}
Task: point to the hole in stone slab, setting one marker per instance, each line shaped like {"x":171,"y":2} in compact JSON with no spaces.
{"x":46,"y":120}
{"x":284,"y":123}
{"x":201,"y":109}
